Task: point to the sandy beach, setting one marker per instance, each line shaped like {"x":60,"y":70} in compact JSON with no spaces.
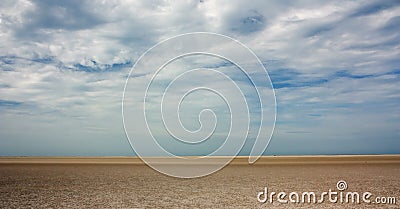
{"x":125,"y":182}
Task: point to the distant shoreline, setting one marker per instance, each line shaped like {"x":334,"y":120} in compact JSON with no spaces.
{"x":239,"y":160}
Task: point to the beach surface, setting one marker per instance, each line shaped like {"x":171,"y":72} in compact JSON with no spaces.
{"x":126,"y":182}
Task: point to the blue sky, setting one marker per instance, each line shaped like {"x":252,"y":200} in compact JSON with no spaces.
{"x":334,"y":65}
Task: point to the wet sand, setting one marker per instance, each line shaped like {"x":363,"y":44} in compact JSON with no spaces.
{"x":127,"y":183}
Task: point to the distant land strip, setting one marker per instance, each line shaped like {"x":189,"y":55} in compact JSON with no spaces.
{"x":239,"y":160}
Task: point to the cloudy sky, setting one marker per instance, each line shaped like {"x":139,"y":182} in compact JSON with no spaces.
{"x":334,"y":65}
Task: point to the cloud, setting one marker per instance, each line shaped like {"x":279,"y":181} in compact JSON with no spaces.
{"x":373,"y":8}
{"x":6,"y":103}
{"x":56,"y":15}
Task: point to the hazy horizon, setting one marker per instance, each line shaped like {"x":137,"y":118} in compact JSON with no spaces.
{"x":334,"y":66}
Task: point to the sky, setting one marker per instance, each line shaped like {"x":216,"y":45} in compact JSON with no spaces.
{"x":334,"y":66}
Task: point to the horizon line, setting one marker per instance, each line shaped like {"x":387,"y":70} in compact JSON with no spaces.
{"x":238,"y":160}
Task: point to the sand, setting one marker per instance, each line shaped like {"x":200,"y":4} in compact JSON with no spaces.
{"x":127,"y":183}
